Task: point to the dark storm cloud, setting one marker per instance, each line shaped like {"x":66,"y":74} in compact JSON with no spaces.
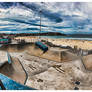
{"x":46,"y":13}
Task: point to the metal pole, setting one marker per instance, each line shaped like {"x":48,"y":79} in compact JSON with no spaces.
{"x":40,"y":21}
{"x":40,"y":24}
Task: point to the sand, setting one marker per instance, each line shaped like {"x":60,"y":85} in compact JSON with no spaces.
{"x":83,"y":44}
{"x":27,"y":39}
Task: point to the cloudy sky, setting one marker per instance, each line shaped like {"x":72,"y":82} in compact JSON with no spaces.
{"x":24,"y":17}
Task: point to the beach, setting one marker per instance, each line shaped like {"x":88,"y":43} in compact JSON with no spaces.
{"x":83,"y":44}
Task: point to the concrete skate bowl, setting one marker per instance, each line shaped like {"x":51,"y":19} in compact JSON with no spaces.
{"x":54,"y":54}
{"x":14,"y":70}
{"x":15,"y":47}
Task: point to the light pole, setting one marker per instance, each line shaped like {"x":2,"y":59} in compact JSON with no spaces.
{"x":40,"y":25}
{"x":40,"y":20}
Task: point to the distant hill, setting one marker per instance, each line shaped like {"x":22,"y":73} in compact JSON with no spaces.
{"x":81,"y":35}
{"x":34,"y":34}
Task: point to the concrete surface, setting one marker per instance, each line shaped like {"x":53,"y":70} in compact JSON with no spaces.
{"x":14,"y":70}
{"x":3,"y":57}
{"x":46,"y":74}
{"x":87,"y":60}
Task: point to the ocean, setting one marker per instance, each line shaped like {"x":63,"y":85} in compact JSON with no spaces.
{"x":63,"y":37}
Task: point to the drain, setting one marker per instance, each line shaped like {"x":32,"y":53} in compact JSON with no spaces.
{"x":77,"y":82}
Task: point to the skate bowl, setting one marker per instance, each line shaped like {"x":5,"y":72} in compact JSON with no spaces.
{"x":7,"y":83}
{"x":14,"y":71}
{"x":53,"y":54}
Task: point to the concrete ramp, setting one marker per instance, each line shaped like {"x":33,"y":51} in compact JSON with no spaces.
{"x":3,"y":57}
{"x":87,"y":61}
{"x":14,"y":70}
